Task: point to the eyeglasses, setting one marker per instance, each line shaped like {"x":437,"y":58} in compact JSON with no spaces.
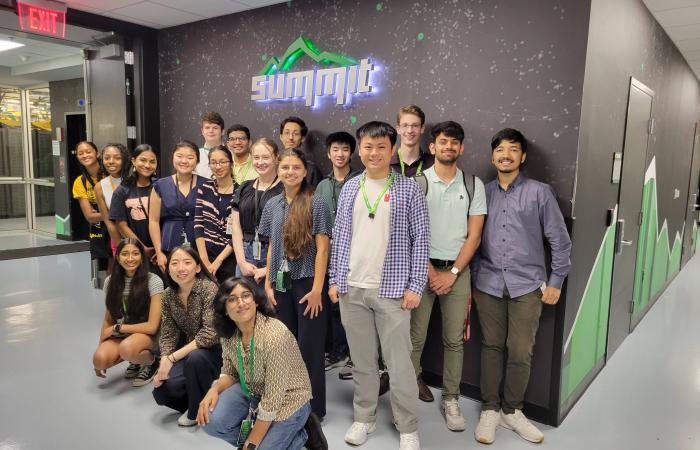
{"x":245,"y":297}
{"x":219,"y":163}
{"x":410,"y":126}
{"x":291,"y":134}
{"x":237,"y":139}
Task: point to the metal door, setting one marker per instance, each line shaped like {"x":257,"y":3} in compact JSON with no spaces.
{"x":692,"y":217}
{"x":637,"y":131}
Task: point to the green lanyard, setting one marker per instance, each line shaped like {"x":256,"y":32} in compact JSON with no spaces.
{"x":248,"y":165}
{"x":420,"y":164}
{"x":241,"y":368}
{"x":373,"y":208}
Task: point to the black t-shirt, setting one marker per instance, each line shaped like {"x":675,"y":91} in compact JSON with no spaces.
{"x":244,"y":202}
{"x":130,"y":203}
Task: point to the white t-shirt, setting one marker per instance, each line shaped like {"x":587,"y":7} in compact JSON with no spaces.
{"x":370,"y":237}
{"x":203,"y":169}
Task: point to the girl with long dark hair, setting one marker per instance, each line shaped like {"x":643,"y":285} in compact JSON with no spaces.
{"x":212,"y":226}
{"x":298,"y":228}
{"x":247,"y":207}
{"x":187,"y":371}
{"x":263,"y":370}
{"x":132,"y":316}
{"x":130,"y":202}
{"x":91,"y":172}
{"x":115,"y":160}
{"x":172,"y":203}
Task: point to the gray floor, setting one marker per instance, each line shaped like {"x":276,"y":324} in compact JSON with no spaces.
{"x":10,"y":240}
{"x":648,"y":397}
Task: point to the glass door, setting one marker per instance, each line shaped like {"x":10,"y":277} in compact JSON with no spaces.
{"x":40,"y":181}
{"x":13,"y":205}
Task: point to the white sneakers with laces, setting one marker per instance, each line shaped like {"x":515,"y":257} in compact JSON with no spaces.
{"x":409,"y":441}
{"x":358,"y":431}
{"x":521,"y":425}
{"x":452,"y":414}
{"x":485,"y":431}
{"x":185,"y":421}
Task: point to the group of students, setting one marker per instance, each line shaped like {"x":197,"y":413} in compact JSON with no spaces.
{"x":274,"y":274}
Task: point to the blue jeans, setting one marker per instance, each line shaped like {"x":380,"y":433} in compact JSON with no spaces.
{"x":232,"y":408}
{"x":248,"y":250}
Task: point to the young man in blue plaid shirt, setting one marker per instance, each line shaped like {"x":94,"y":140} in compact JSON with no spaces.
{"x":378,"y":269}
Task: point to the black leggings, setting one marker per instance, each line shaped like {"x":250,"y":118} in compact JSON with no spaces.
{"x":310,"y":334}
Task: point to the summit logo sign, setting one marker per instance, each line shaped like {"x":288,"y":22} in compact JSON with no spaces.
{"x":348,"y":77}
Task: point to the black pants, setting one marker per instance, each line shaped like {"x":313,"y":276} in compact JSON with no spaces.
{"x":310,"y":334}
{"x":189,"y":380}
{"x":227,"y":269}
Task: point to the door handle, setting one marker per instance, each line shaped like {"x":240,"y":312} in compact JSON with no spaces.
{"x":620,"y":237}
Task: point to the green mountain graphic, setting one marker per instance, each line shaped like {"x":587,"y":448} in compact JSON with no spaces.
{"x":304,"y":46}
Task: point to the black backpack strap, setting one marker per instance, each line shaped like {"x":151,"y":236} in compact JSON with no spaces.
{"x":469,"y":187}
{"x":422,"y":183}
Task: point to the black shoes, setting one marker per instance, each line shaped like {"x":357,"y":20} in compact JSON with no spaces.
{"x":316,"y":439}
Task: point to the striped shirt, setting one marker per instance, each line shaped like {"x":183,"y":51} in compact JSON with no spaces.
{"x":406,"y":260}
{"x":211,"y":213}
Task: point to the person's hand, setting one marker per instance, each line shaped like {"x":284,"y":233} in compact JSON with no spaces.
{"x":411,"y":300}
{"x":442,"y":282}
{"x":550,"y":296}
{"x":206,"y":406}
{"x":313,"y":303}
{"x":163,"y":371}
{"x":161,"y":260}
{"x":106,"y":333}
{"x":247,"y":269}
{"x":333,"y":294}
{"x":213,"y":267}
{"x":270,"y":295}
{"x":259,"y":273}
{"x":102,"y":373}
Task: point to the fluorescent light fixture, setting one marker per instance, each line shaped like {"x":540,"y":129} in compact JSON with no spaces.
{"x":9,"y":45}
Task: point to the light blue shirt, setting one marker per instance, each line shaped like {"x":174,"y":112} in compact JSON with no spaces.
{"x":449,"y":211}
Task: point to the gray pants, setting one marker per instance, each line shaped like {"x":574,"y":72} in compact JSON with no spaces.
{"x":370,"y":320}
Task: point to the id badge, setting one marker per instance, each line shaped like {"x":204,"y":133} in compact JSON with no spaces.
{"x":257,"y":249}
{"x":229,"y":226}
{"x":246,"y":427}
{"x":283,"y":280}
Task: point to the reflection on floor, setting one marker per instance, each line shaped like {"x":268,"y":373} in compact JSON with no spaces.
{"x":646,"y":398}
{"x":22,"y":244}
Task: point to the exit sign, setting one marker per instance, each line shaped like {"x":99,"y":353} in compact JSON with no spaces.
{"x":43,"y":17}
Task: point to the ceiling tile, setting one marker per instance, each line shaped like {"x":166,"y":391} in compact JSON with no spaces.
{"x":684,"y":32}
{"x":209,"y":8}
{"x":104,"y":5}
{"x":155,"y":13}
{"x":132,"y":20}
{"x":688,"y":45}
{"x":678,"y":17}
{"x":692,"y":55}
{"x":661,"y":5}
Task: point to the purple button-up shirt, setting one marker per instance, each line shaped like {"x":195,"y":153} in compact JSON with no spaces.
{"x":512,"y":251}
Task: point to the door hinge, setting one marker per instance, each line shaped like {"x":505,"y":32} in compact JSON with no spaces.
{"x":639,"y":219}
{"x":651,"y":126}
{"x":131,"y":132}
{"x":129,"y":58}
{"x":642,"y":276}
{"x":631,"y":306}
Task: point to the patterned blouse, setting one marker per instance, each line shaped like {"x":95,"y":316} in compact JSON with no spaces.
{"x":196,"y":320}
{"x":279,"y":375}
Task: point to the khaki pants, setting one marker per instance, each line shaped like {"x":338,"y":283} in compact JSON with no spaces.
{"x":453,"y":306}
{"x":370,"y":320}
{"x":507,"y":323}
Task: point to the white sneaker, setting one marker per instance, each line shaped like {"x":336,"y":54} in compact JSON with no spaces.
{"x":519,"y":423}
{"x":452,"y":414}
{"x":184,"y":421}
{"x":485,"y":431}
{"x":358,"y":431}
{"x":409,"y":441}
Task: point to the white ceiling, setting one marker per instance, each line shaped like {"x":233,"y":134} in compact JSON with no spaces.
{"x":166,"y":13}
{"x":681,"y":20}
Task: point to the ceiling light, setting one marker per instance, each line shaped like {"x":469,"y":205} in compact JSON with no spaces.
{"x":9,"y":45}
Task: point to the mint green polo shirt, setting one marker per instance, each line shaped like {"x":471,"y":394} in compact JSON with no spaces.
{"x":448,"y":207}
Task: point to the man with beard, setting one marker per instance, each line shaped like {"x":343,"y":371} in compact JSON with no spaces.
{"x":512,"y":283}
{"x":238,"y":141}
{"x":456,"y":219}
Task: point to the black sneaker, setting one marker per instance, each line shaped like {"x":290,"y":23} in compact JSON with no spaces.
{"x":146,"y":374}
{"x":333,"y":361}
{"x":345,"y":373}
{"x":132,"y":371}
{"x":383,"y":382}
{"x":316,"y":439}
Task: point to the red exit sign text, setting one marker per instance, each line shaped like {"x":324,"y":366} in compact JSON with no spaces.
{"x":42,"y":16}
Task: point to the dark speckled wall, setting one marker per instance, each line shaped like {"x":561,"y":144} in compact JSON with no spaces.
{"x":486,"y":64}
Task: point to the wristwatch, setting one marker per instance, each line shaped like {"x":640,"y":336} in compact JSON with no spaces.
{"x":454,"y":270}
{"x":251,"y":446}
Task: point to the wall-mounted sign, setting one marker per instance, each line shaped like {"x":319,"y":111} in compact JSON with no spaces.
{"x":276,"y":83}
{"x":42,"y":16}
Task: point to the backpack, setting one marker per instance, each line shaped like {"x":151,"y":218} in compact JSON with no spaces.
{"x":423,"y":183}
